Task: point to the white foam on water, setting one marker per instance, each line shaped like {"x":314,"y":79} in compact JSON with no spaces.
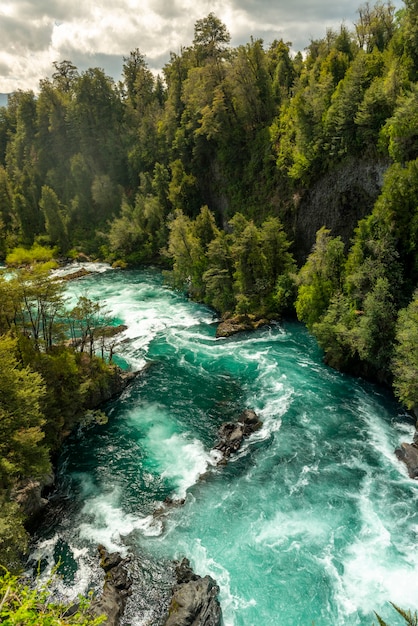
{"x":147,"y":619}
{"x":271,"y":402}
{"x":258,"y":356}
{"x":71,"y":268}
{"x":382,"y":436}
{"x":204,"y":565}
{"x":144,"y":308}
{"x":184,"y":460}
{"x":44,"y":552}
{"x":216,"y":456}
{"x":376,"y":570}
{"x":372,"y":579}
{"x":85,"y":483}
{"x":145,"y":320}
{"x":369,"y":573}
{"x":288,"y":526}
{"x":406,"y":431}
{"x":109,"y":525}
{"x":81,"y":583}
{"x":177,"y":457}
{"x":304,"y":478}
{"x":346,"y":605}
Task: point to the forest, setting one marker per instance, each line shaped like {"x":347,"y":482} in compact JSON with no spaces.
{"x":205,"y":171}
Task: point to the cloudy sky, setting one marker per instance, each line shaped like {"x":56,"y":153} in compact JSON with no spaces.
{"x":99,"y":33}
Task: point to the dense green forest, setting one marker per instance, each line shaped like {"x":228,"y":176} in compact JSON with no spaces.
{"x":205,"y":170}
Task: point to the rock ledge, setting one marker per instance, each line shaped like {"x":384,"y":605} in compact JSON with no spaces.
{"x":194,"y":601}
{"x":116,"y":589}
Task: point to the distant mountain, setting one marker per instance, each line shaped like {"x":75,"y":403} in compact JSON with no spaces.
{"x":3,"y":99}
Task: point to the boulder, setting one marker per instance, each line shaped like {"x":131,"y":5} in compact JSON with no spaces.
{"x":116,"y":588}
{"x":233,"y":433}
{"x":77,"y":274}
{"x":238,"y":324}
{"x":408,"y":453}
{"x":110,"y":331}
{"x":194,"y":601}
{"x":28,"y":494}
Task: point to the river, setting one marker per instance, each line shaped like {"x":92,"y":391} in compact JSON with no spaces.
{"x":314,"y":521}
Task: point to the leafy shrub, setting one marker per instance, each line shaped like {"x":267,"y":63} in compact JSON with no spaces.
{"x":22,"y":605}
{"x":22,"y":256}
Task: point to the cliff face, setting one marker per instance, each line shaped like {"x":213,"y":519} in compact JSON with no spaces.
{"x":103,"y":388}
{"x":338,"y":200}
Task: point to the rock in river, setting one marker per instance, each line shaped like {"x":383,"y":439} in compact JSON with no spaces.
{"x":116,"y":589}
{"x":232,"y":433}
{"x":408,"y":453}
{"x":194,"y":601}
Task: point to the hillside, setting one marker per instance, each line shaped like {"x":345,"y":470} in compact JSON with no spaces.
{"x":266,"y":184}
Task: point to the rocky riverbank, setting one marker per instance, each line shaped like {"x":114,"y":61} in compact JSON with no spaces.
{"x":116,"y":588}
{"x":30,"y":493}
{"x":194,"y":601}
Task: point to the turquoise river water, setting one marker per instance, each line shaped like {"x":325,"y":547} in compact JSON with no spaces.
{"x":314,"y":521}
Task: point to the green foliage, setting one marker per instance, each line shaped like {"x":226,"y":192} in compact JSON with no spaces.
{"x":55,"y":219}
{"x":62,"y":403}
{"x":320,"y":277}
{"x":76,"y":156}
{"x":250,"y":280}
{"x":395,"y":222}
{"x":379,"y":278}
{"x":377,"y":321}
{"x":211,"y":37}
{"x":36,"y":254}
{"x":400,"y":131}
{"x":249,"y":268}
{"x":20,"y":604}
{"x":347,"y":101}
{"x":42,"y":301}
{"x":219,"y":277}
{"x":334,"y":332}
{"x":45,"y":385}
{"x":188,"y":253}
{"x":140,"y":232}
{"x":125,"y":169}
{"x":409,"y":38}
{"x":376,"y":25}
{"x":411,"y":619}
{"x":23,"y":452}
{"x":13,"y":536}
{"x":405,"y":361}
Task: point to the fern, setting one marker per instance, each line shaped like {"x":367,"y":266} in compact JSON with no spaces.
{"x":410,"y":620}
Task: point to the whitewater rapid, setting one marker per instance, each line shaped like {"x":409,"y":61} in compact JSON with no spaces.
{"x":313,"y":521}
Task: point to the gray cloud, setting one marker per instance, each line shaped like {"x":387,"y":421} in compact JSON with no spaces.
{"x":21,"y":35}
{"x":34,"y":33}
{"x":297,"y":21}
{"x":111,"y":64}
{"x":297,"y":10}
{"x":4,"y":69}
{"x":53,"y":9}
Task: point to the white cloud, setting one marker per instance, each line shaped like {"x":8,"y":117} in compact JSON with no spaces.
{"x":34,"y":33}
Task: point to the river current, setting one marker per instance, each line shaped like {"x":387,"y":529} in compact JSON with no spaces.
{"x":314,"y":521}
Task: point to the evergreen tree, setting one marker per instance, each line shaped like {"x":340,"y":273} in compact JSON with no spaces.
{"x":23,"y":453}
